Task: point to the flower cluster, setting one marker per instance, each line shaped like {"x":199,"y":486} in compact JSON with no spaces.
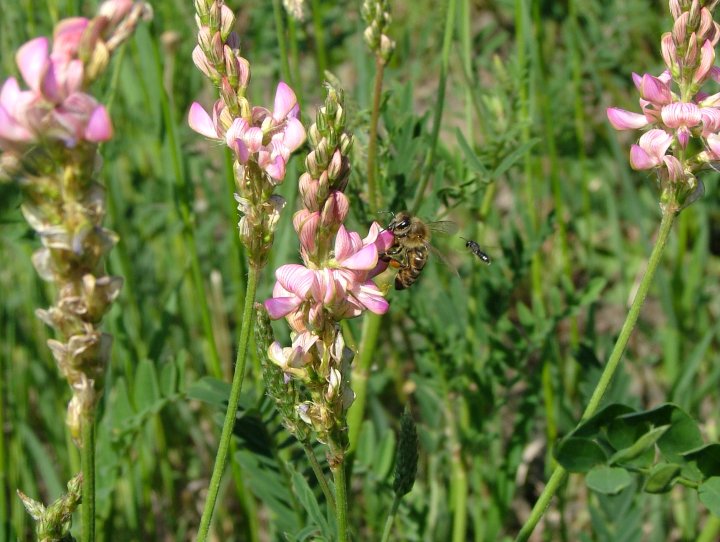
{"x":674,"y":109}
{"x":261,"y":140}
{"x":49,"y":135}
{"x":334,"y":282}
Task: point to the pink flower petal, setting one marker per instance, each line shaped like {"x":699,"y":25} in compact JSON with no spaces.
{"x":32,"y":60}
{"x":362,"y":260}
{"x":67,"y":36}
{"x":343,"y":244}
{"x":655,"y":90}
{"x":99,"y":127}
{"x":9,"y":93}
{"x":679,"y":114}
{"x":10,"y":130}
{"x":200,"y":121}
{"x":639,"y":159}
{"x":372,"y":298}
{"x":285,"y":100}
{"x":294,"y":135}
{"x":625,"y":120}
{"x":295,"y":278}
{"x":713,"y":143}
{"x":655,"y":143}
{"x":276,"y":168}
{"x":707,"y":59}
{"x":278,"y":307}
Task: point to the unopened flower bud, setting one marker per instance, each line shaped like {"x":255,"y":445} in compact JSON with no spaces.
{"x":227,"y":21}
{"x":214,"y":16}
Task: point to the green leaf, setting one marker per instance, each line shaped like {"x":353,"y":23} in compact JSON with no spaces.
{"x":604,"y":417}
{"x":168,"y":379}
{"x":707,"y":459}
{"x":644,"y":444}
{"x":608,"y":480}
{"x":510,"y":160}
{"x":147,"y":389}
{"x":622,"y":434}
{"x":473,"y":162}
{"x":309,"y":502}
{"x":579,"y":454}
{"x":682,"y":436}
{"x":210,"y":390}
{"x":662,"y":477}
{"x":709,"y":493}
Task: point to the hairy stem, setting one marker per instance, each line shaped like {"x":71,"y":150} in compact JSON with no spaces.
{"x":341,"y":501}
{"x":319,"y":474}
{"x":559,"y":473}
{"x":373,"y":194}
{"x":226,"y":436}
{"x":87,"y":462}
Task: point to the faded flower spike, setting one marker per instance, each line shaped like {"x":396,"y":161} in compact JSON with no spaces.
{"x":53,"y":523}
{"x":675,"y":110}
{"x":49,"y":135}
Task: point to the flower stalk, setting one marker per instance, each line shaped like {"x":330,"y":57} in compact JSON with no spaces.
{"x":261,"y":142}
{"x":333,"y":284}
{"x":377,"y":16}
{"x":675,"y":112}
{"x":49,"y":137}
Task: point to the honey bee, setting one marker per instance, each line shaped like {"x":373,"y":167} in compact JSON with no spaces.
{"x":411,"y":249}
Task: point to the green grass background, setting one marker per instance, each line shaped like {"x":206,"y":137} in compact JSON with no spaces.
{"x":496,"y":362}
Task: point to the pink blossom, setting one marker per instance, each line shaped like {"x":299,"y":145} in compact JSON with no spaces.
{"x":267,"y":138}
{"x":14,"y":122}
{"x":625,"y":120}
{"x":344,"y":287}
{"x":650,"y":150}
{"x":681,"y":116}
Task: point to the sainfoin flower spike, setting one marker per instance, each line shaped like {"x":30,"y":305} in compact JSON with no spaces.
{"x":674,"y":109}
{"x":261,"y":140}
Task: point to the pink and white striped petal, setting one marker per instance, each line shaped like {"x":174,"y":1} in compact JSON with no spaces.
{"x":285,"y":101}
{"x":200,"y":121}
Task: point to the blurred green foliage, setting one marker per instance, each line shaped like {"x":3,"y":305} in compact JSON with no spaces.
{"x":496,"y":363}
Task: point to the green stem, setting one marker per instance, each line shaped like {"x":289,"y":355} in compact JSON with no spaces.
{"x":559,"y":474}
{"x":319,"y":474}
{"x":439,"y":105}
{"x":390,"y":519}
{"x":280,"y":33}
{"x":229,"y":423}
{"x":710,"y":531}
{"x":373,"y":195}
{"x":341,"y":501}
{"x":371,"y":330}
{"x":319,"y":39}
{"x":87,"y":459}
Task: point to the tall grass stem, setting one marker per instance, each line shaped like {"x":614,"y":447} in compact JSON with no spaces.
{"x":439,"y":106}
{"x":373,"y":194}
{"x":87,"y":463}
{"x":559,"y":473}
{"x":233,"y":401}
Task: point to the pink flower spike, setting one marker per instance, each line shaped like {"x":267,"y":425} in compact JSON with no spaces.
{"x":285,"y":100}
{"x":200,"y":121}
{"x":99,"y":127}
{"x":32,"y":60}
{"x":625,"y":120}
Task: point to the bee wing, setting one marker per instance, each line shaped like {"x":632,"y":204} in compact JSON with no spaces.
{"x":442,"y":258}
{"x":448,"y":227}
